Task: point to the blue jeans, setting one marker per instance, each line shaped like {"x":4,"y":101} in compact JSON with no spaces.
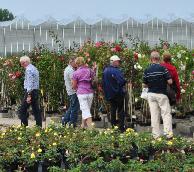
{"x":70,"y":116}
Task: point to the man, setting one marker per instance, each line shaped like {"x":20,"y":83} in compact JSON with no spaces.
{"x":156,"y":78}
{"x":70,"y":117}
{"x":31,"y":87}
{"x":113,"y":86}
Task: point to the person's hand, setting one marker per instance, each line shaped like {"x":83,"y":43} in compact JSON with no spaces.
{"x":129,"y":84}
{"x":94,"y":66}
{"x":29,"y":99}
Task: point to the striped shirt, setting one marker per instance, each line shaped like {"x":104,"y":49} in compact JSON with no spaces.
{"x":156,"y":76}
{"x":31,"y":81}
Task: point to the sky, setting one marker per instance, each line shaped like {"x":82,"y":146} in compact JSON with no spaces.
{"x":61,"y":9}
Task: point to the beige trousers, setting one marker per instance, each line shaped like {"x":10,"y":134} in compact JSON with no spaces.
{"x":159,"y":105}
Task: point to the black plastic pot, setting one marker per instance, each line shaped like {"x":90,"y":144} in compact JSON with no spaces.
{"x":33,"y":168}
{"x":11,"y":167}
{"x":46,"y":164}
{"x":4,"y":111}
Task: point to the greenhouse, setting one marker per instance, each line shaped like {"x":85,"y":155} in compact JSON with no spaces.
{"x":22,"y":35}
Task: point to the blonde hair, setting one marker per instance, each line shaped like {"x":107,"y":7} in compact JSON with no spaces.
{"x":167,"y":57}
{"x":79,"y":61}
{"x":25,"y":59}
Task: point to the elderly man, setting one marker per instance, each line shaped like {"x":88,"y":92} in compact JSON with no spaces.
{"x":31,"y":87}
{"x":156,"y":78}
{"x":113,"y":86}
{"x":70,"y":117}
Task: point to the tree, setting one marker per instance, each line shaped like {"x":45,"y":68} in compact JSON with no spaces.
{"x":5,"y":15}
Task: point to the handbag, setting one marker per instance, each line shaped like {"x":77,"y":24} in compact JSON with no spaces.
{"x":144,"y":93}
{"x":171,"y":93}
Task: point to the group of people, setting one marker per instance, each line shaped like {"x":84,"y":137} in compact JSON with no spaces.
{"x":78,"y":77}
{"x":78,"y":81}
{"x":156,"y":77}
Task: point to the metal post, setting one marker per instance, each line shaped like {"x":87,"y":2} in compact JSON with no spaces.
{"x":34,"y":43}
{"x":142,"y":32}
{"x":4,"y":46}
{"x":90,"y":32}
{"x":191,"y":36}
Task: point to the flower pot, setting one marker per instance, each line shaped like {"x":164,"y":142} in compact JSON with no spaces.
{"x":46,"y":164}
{"x":33,"y":168}
{"x":11,"y":167}
{"x":4,"y":111}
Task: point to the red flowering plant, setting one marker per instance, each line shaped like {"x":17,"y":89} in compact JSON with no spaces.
{"x":12,"y":81}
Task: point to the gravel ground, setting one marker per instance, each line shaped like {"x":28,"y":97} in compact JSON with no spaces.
{"x":6,"y":122}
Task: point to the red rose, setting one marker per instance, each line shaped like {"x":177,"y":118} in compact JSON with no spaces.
{"x":135,"y":56}
{"x":61,"y":58}
{"x":18,"y":74}
{"x":118,"y":48}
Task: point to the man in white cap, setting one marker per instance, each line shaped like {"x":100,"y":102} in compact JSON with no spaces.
{"x":113,"y":86}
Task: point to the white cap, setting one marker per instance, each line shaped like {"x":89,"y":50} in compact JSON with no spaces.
{"x":114,"y":58}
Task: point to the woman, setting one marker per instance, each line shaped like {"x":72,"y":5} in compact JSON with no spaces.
{"x":81,"y":82}
{"x":173,"y":72}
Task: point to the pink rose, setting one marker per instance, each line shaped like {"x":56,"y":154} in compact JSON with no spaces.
{"x":113,"y":49}
{"x":10,"y":75}
{"x":13,"y":77}
{"x":86,"y":54}
{"x":98,"y":44}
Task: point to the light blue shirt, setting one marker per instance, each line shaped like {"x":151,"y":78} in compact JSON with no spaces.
{"x":31,"y":81}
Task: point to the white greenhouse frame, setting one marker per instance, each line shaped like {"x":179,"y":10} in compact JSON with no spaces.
{"x":22,"y":35}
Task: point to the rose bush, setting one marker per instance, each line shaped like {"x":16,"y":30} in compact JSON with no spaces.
{"x":27,"y":148}
{"x":134,"y":60}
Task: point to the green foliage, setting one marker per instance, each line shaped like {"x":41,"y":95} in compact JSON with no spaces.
{"x":92,"y":150}
{"x":134,"y":61}
{"x":6,"y":15}
{"x":55,"y":169}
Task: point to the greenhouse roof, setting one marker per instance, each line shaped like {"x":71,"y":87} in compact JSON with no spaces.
{"x":63,"y":12}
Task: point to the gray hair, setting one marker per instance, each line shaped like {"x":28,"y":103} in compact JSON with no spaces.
{"x":71,"y":59}
{"x":155,"y":55}
{"x":25,"y":59}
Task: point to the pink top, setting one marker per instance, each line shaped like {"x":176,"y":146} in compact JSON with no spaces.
{"x":83,"y":75}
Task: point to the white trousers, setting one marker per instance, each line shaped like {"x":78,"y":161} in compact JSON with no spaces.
{"x":85,"y":101}
{"x":159,"y":105}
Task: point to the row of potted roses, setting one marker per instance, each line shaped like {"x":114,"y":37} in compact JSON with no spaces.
{"x":27,"y":148}
{"x":134,"y":60}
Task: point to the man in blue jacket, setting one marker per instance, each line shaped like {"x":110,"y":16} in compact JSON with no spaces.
{"x":113,"y":86}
